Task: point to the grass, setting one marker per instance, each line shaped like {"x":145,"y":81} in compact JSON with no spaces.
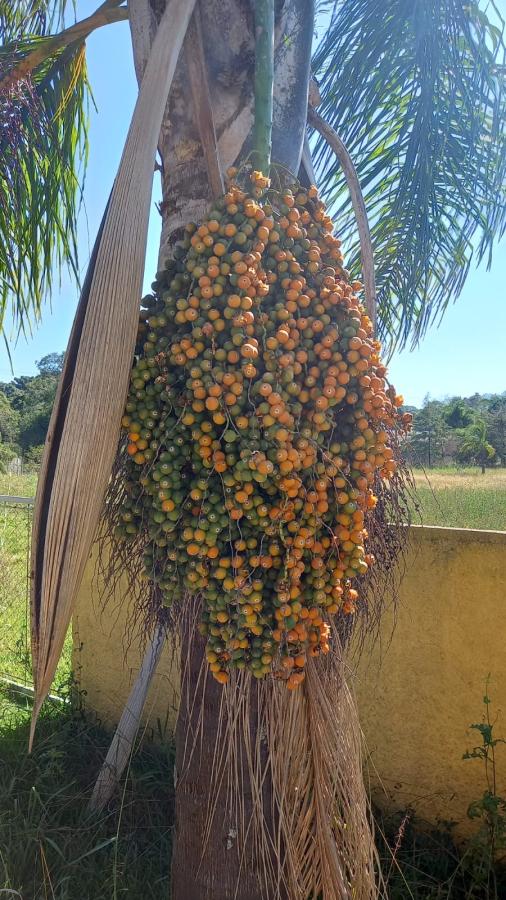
{"x":51,"y":847}
{"x":462,"y":498}
{"x":15,"y":523}
{"x":18,"y":485}
{"x":15,"y":528}
{"x":423,"y":862}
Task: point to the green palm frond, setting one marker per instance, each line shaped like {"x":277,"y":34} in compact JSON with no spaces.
{"x":416,"y":90}
{"x":473,"y":441}
{"x":43,"y":146}
{"x":43,"y":149}
{"x":37,"y":17}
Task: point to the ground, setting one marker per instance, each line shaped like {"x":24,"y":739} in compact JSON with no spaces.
{"x":53,"y":848}
{"x":50,"y":846}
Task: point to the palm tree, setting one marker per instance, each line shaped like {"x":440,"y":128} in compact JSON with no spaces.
{"x":474,"y":445}
{"x":415,"y":90}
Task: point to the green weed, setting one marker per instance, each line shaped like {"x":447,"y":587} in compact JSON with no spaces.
{"x":423,"y":862}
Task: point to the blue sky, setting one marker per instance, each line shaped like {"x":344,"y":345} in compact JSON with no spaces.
{"x":465,"y":354}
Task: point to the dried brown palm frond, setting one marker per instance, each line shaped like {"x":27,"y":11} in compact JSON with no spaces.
{"x":83,"y":432}
{"x":316,"y":762}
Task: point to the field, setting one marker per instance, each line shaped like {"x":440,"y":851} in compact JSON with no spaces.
{"x":456,"y":498}
{"x":18,"y":485}
{"x":15,"y":526}
{"x":462,"y":498}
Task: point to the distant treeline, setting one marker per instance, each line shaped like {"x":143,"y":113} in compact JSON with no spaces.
{"x":457,"y":431}
{"x":25,"y":408}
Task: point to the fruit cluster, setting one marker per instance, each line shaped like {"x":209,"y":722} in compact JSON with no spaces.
{"x":258,"y":421}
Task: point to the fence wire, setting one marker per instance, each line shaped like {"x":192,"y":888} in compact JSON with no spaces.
{"x":15,"y":531}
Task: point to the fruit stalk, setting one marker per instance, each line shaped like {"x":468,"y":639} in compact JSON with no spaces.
{"x":264,"y":81}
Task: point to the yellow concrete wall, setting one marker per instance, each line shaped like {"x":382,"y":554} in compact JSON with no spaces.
{"x":418,"y":696}
{"x":417,"y":693}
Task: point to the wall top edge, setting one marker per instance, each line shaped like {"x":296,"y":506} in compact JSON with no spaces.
{"x":436,"y":532}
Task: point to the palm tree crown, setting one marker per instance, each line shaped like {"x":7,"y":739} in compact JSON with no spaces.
{"x":474,"y":444}
{"x":415,"y":89}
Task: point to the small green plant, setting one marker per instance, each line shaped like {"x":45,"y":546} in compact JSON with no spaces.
{"x":421,"y":861}
{"x":487,"y":848}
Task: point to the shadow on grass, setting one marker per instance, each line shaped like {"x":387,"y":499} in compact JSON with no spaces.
{"x":52,"y":848}
{"x":423,"y":862}
{"x":50,"y":845}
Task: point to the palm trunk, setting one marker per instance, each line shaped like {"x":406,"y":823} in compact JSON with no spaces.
{"x":211,"y":866}
{"x":208,"y":859}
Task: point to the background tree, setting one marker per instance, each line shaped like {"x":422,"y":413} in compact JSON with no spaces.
{"x":9,"y":431}
{"x":496,"y":421}
{"x":29,"y":401}
{"x":475,"y":446}
{"x":438,"y":427}
{"x":51,"y":364}
{"x":427,"y":442}
{"x":459,"y":415}
{"x":26,"y":401}
{"x":9,"y":421}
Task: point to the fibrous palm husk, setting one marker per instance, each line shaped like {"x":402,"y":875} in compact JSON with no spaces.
{"x":324,"y":822}
{"x":84,"y":427}
{"x":285,"y":792}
